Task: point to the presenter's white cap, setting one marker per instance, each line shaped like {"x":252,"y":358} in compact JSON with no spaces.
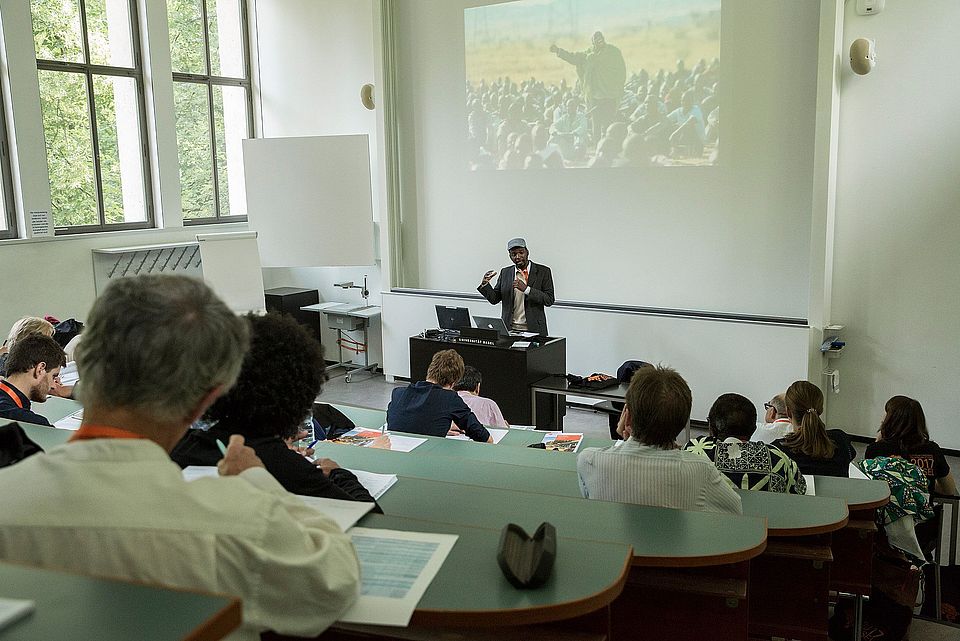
{"x":516,"y":242}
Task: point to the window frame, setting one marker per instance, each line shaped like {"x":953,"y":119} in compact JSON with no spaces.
{"x":6,"y":176}
{"x":209,"y":80}
{"x":89,"y":70}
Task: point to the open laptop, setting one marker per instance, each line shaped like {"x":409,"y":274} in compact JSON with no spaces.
{"x":484,"y":322}
{"x":452,"y":317}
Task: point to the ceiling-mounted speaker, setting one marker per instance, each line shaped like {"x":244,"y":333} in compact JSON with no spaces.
{"x":366,"y":96}
{"x":863,"y":56}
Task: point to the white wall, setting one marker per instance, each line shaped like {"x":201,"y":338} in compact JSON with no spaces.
{"x":314,"y":55}
{"x":896,"y":282}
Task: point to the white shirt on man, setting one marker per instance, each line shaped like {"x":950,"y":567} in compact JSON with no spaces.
{"x":120,"y":508}
{"x":647,"y":475}
{"x":769,"y":432}
{"x":519,"y":318}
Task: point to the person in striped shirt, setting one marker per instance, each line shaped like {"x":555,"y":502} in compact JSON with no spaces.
{"x":648,"y":467}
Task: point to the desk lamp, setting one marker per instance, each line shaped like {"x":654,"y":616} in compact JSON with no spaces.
{"x":363,"y":289}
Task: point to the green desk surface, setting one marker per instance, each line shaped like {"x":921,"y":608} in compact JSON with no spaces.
{"x":46,"y":437}
{"x":471,"y":590}
{"x":795,"y":515}
{"x":55,"y":408}
{"x":80,"y":608}
{"x":423,"y":463}
{"x":787,"y":515}
{"x":660,"y":537}
{"x":860,"y":494}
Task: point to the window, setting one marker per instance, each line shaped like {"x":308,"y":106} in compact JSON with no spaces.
{"x":91,"y":98}
{"x":211,"y":90}
{"x":8,"y":220}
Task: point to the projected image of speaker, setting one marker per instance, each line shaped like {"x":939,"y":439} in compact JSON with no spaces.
{"x":592,"y":83}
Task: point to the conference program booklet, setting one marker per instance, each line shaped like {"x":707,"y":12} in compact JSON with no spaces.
{"x":364,"y":437}
{"x":562,"y":441}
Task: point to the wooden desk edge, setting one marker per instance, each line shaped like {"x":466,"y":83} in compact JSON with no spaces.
{"x":526,"y":616}
{"x":700,"y":561}
{"x":809,"y":531}
{"x":222,"y":623}
{"x":871,"y":505}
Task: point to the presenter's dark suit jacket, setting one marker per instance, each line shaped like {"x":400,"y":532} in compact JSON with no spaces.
{"x":540,"y":296}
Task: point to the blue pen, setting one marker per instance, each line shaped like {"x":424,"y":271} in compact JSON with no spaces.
{"x":315,"y":441}
{"x":223,"y":448}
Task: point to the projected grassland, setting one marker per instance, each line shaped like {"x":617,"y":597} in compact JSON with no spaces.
{"x":592,"y":83}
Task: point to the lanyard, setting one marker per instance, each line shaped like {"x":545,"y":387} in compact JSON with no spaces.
{"x":88,"y":432}
{"x":11,"y":393}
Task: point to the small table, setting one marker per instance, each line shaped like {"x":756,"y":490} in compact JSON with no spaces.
{"x":560,"y":387}
{"x":72,"y":606}
{"x":344,"y":317}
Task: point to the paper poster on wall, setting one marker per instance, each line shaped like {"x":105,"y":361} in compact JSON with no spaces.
{"x":41,"y":223}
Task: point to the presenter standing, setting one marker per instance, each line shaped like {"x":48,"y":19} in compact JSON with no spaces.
{"x":524,"y":290}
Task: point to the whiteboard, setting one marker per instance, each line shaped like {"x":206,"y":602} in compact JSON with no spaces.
{"x":231,"y":267}
{"x":310,"y":200}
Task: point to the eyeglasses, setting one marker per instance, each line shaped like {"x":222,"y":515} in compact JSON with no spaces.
{"x":768,"y":406}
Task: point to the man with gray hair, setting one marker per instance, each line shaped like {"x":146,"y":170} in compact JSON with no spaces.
{"x":775,"y":423}
{"x":157,"y":351}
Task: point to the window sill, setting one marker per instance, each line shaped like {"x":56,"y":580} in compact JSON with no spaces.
{"x":191,"y":230}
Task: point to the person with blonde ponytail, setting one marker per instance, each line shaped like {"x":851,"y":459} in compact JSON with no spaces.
{"x":815,"y":449}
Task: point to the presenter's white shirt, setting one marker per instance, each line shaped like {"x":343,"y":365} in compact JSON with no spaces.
{"x":120,"y":508}
{"x":646,"y":475}
{"x":519,"y":318}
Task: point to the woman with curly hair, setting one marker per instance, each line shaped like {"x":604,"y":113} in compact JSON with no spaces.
{"x":903,"y":433}
{"x":282,"y":374}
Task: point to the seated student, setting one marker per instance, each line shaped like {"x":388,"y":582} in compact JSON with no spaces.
{"x":428,"y":407}
{"x":282,"y":373}
{"x":157,"y":351}
{"x":903,"y":432}
{"x":816,"y":449}
{"x":649,"y":468}
{"x":485,"y":409}
{"x":775,"y":422}
{"x":33,"y":366}
{"x":23,"y":327}
{"x":750,"y":465}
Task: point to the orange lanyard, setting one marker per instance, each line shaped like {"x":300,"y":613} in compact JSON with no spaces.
{"x":87,"y":432}
{"x":11,"y":393}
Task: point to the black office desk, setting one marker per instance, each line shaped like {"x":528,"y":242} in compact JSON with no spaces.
{"x":508,"y":374}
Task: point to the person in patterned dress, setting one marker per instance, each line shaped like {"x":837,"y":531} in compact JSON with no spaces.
{"x":749,"y":465}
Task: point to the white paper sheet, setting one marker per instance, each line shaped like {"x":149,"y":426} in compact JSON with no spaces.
{"x":857,"y":473}
{"x":194,"y":472}
{"x":811,"y":486}
{"x":344,"y":513}
{"x":400,"y":443}
{"x":396,"y":568}
{"x":521,"y":344}
{"x":562,"y":441}
{"x":12,"y":610}
{"x":496,"y":433}
{"x":376,"y":484}
{"x":70,"y":422}
{"x":69,"y":374}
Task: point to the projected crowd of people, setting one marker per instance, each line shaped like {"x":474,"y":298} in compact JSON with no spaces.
{"x":607,"y":118}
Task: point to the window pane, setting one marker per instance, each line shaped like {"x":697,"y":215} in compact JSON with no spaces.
{"x":194,"y":145}
{"x":230,"y":117}
{"x":56,"y":30}
{"x":66,"y":128}
{"x":187,"y":49}
{"x":226,"y":38}
{"x":121,"y":160}
{"x":108,"y":30}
